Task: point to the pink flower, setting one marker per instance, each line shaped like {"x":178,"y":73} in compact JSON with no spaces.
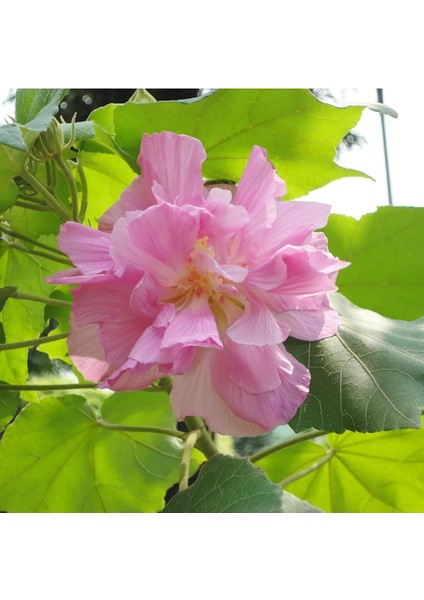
{"x":203,"y":283}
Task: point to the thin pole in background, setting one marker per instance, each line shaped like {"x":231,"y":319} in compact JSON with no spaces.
{"x":386,"y":157}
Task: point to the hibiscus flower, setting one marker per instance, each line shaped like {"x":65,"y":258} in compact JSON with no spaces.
{"x":203,"y":283}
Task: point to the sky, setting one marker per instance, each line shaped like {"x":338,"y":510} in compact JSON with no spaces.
{"x":355,"y":196}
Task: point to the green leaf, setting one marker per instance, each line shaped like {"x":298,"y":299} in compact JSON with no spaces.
{"x":31,"y":223}
{"x":292,"y":504}
{"x":83,"y":130}
{"x":56,"y":458}
{"x":9,"y":402}
{"x":11,"y":135}
{"x":299,"y":132}
{"x":22,"y":319}
{"x":8,"y":194}
{"x":35,"y":108}
{"x":368,"y":377}
{"x":386,"y":249}
{"x":227,"y":484}
{"x":12,"y":161}
{"x":107,"y":176}
{"x":5,"y":293}
{"x":379,"y":472}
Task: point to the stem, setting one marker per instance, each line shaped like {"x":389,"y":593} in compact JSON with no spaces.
{"x":71,"y":184}
{"x":191,"y":440}
{"x":31,"y":198}
{"x":54,"y":204}
{"x":163,"y":431}
{"x":84,"y":192}
{"x":51,"y":301}
{"x":35,"y":342}
{"x":31,"y":206}
{"x":284,"y":482}
{"x":58,"y":259}
{"x":54,"y":386}
{"x":302,"y":437}
{"x":204,"y":443}
{"x":24,"y":238}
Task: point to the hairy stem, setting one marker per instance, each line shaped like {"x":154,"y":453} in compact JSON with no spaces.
{"x":190,"y":442}
{"x":51,"y":301}
{"x":24,"y":238}
{"x":58,"y":259}
{"x":41,"y":387}
{"x":161,"y":430}
{"x":204,"y":443}
{"x":284,"y":482}
{"x":301,"y":437}
{"x":71,"y":184}
{"x":54,"y":204}
{"x":34,"y":342}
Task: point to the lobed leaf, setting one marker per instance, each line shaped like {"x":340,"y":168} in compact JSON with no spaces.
{"x":369,"y":377}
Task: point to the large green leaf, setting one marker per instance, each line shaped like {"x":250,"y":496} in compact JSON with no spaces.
{"x":368,"y":377}
{"x":227,"y":484}
{"x":8,"y":194}
{"x":35,"y":108}
{"x":56,"y":458}
{"x":379,"y":472}
{"x":9,"y":402}
{"x":300,"y":132}
{"x":11,"y":136}
{"x":386,"y":249}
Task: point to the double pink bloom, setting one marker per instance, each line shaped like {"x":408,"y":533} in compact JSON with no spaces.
{"x":204,"y":284}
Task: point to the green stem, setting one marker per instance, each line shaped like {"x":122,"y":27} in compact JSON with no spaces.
{"x":328,"y":456}
{"x":54,"y":386}
{"x":54,"y":204}
{"x":35,"y":342}
{"x":58,"y":259}
{"x":31,"y":206}
{"x":204,"y":443}
{"x":44,"y":300}
{"x":31,"y":198}
{"x":163,"y":431}
{"x":71,"y":184}
{"x":84,"y":192}
{"x":190,"y":442}
{"x":302,"y":437}
{"x":24,"y":238}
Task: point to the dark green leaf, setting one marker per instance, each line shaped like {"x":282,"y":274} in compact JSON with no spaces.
{"x":368,"y":377}
{"x":373,"y":473}
{"x":386,"y":249}
{"x":34,"y":107}
{"x":56,"y":458}
{"x":299,"y":132}
{"x":292,"y":504}
{"x":5,"y":293}
{"x":11,"y":135}
{"x":227,"y":484}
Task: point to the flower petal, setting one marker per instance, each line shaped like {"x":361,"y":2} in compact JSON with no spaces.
{"x":175,"y":162}
{"x":260,"y":384}
{"x":134,"y":197}
{"x":258,"y":327}
{"x":157,"y":240}
{"x":89,"y":249}
{"x":311,"y":325}
{"x":194,"y":395}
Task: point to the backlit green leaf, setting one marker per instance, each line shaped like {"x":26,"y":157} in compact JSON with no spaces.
{"x":368,"y":377}
{"x":378,"y":472}
{"x":386,"y":249}
{"x":299,"y":132}
{"x":56,"y":458}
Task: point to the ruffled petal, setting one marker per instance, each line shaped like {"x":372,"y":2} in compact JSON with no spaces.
{"x":194,"y":395}
{"x":175,"y":163}
{"x":158,"y":241}
{"x":261,"y":384}
{"x":258,"y":327}
{"x":134,"y":197}
{"x":311,"y":325}
{"x":89,"y":249}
